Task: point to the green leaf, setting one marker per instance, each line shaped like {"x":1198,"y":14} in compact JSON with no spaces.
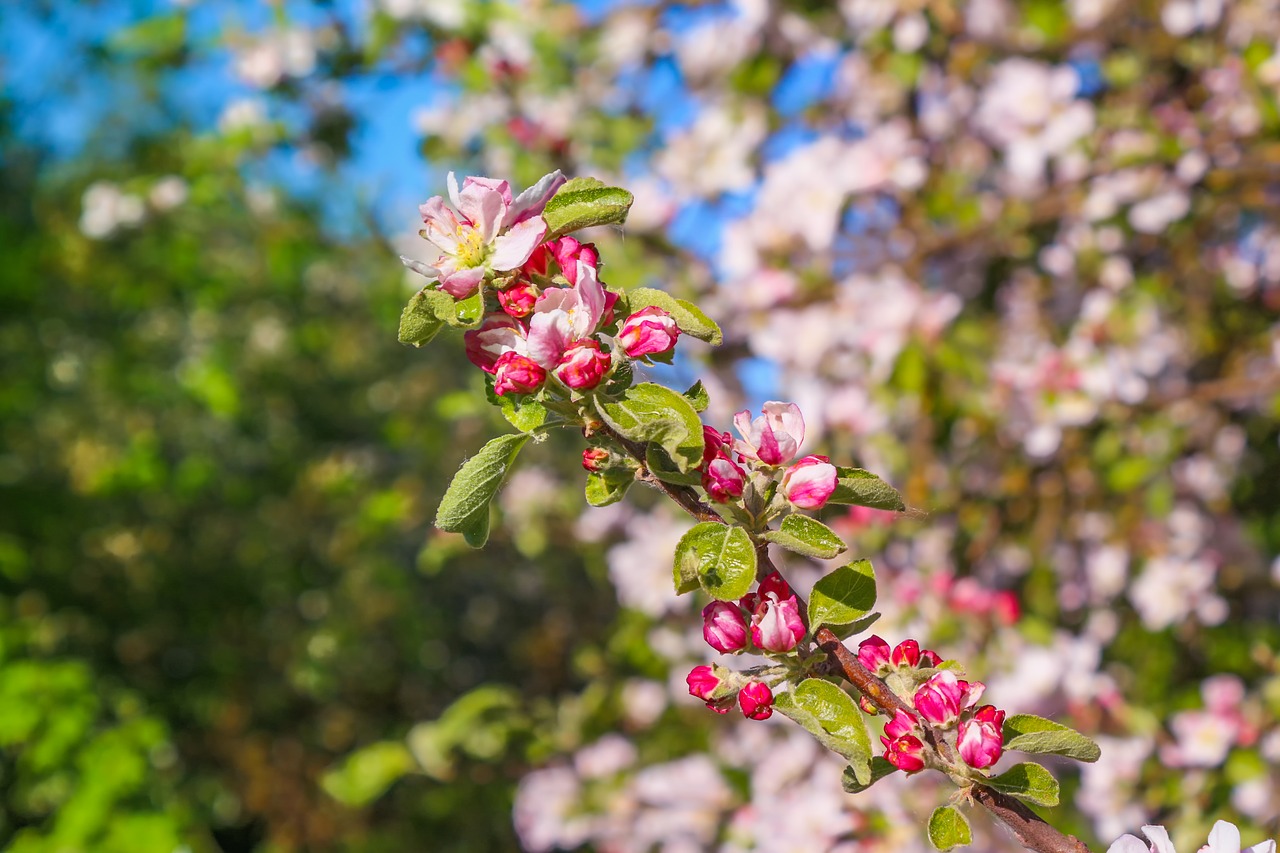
{"x":1029,"y":782}
{"x":806,"y":536}
{"x":1029,"y":733}
{"x":843,"y":597}
{"x":698,"y":397}
{"x":830,"y":715}
{"x":608,"y":487}
{"x":583,"y":203}
{"x":688,"y":316}
{"x":862,"y":488}
{"x":467,"y":313}
{"x":725,"y":560}
{"x":465,"y":506}
{"x":525,"y":413}
{"x":948,"y":828}
{"x":649,"y":412}
{"x":366,"y":774}
{"x":418,"y":322}
{"x":661,"y":466}
{"x":880,"y":768}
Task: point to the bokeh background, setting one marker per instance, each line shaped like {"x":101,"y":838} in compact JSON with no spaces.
{"x":1021,"y":257}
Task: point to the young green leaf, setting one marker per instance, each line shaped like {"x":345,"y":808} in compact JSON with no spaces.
{"x":948,"y":828}
{"x":698,"y":397}
{"x":649,"y":412}
{"x":583,"y":203}
{"x":862,"y":488}
{"x":525,"y":414}
{"x":726,"y":560}
{"x":661,"y":466}
{"x":608,"y":487}
{"x":806,"y":536}
{"x":419,"y":322}
{"x":1029,"y":733}
{"x":880,"y":768}
{"x":688,"y":316}
{"x":830,"y":715}
{"x":465,"y":506}
{"x":843,"y":597}
{"x":467,"y":313}
{"x":1029,"y":782}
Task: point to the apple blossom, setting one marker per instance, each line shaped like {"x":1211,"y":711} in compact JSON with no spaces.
{"x":568,"y":253}
{"x":583,"y":366}
{"x":724,"y":627}
{"x":905,"y":752}
{"x":809,"y":482}
{"x":498,"y":335}
{"x":594,"y":458}
{"x":565,"y":316}
{"x":941,"y":699}
{"x":980,"y":738}
{"x":774,"y":438}
{"x":723,"y":479}
{"x":649,"y":331}
{"x":517,"y":373}
{"x":777,"y":626}
{"x":1223,"y":838}
{"x":518,"y":299}
{"x":906,"y":654}
{"x":776,"y":584}
{"x":756,"y":701}
{"x":486,"y":231}
{"x":873,"y":653}
{"x":901,"y":724}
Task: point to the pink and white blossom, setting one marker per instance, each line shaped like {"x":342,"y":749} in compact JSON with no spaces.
{"x":517,"y":374}
{"x":777,"y":626}
{"x":775,"y":437}
{"x":583,"y":366}
{"x":941,"y":699}
{"x":980,"y":738}
{"x":649,"y":331}
{"x":873,"y":653}
{"x":723,"y":479}
{"x":498,"y":335}
{"x":486,"y":230}
{"x":565,"y":316}
{"x":810,"y":482}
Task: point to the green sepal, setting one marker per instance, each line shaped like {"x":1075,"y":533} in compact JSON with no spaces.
{"x":830,"y":715}
{"x":858,"y":487}
{"x":949,"y":829}
{"x":807,"y":536}
{"x":1029,"y":733}
{"x":721,"y":557}
{"x":843,"y":598}
{"x":688,"y":316}
{"x":584,"y":203}
{"x":465,"y":506}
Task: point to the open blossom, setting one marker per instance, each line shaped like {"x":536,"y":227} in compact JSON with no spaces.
{"x":941,"y":699}
{"x":565,"y":316}
{"x":980,"y":738}
{"x":649,"y":331}
{"x":517,"y":373}
{"x":809,"y":483}
{"x":756,"y":701}
{"x":1223,"y":838}
{"x":777,"y":626}
{"x":485,"y":231}
{"x":724,"y":627}
{"x":775,"y":437}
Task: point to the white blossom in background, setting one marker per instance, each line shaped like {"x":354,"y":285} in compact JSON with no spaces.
{"x":106,"y":209}
{"x":268,"y":59}
{"x":714,"y":155}
{"x":167,"y":193}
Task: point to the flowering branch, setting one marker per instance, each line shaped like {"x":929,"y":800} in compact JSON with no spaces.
{"x":559,"y":348}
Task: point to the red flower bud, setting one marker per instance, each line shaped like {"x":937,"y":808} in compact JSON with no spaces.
{"x":906,"y":653}
{"x":873,"y":653}
{"x":517,"y":300}
{"x":594,"y":458}
{"x":905,"y":753}
{"x":517,"y":373}
{"x":756,"y":701}
{"x":724,"y":627}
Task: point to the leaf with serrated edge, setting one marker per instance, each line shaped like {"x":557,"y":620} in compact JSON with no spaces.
{"x":1029,"y":733}
{"x":830,"y":715}
{"x":948,"y":828}
{"x":806,"y":536}
{"x":526,"y":414}
{"x":649,"y":412}
{"x":465,"y":506}
{"x":1027,"y":781}
{"x":880,"y":768}
{"x":843,"y":597}
{"x":688,"y":316}
{"x":583,"y":203}
{"x":726,"y":559}
{"x":857,"y":487}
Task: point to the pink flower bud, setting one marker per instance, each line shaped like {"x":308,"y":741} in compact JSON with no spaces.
{"x":715,"y":443}
{"x":905,"y":753}
{"x":594,"y":458}
{"x":516,"y":373}
{"x":901,"y":724}
{"x":906,"y":653}
{"x":981,"y":737}
{"x":583,"y":366}
{"x":499,"y":334}
{"x":809,"y":482}
{"x":756,"y":701}
{"x":873,"y":653}
{"x":723,"y":480}
{"x":702,"y":682}
{"x":777,"y":585}
{"x":569,"y":253}
{"x":777,"y":626}
{"x":518,"y":299}
{"x":775,"y":437}
{"x":724,"y":627}
{"x":928,"y":657}
{"x":940,"y":699}
{"x":649,"y":331}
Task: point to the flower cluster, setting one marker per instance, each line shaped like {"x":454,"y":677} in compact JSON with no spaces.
{"x":943,"y":702}
{"x":767,"y":443}
{"x":767,"y":620}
